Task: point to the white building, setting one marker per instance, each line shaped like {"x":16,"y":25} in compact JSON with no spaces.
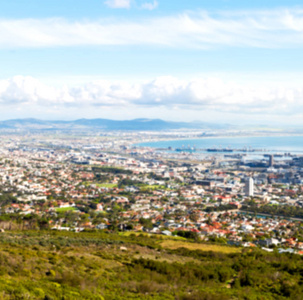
{"x":249,"y":187}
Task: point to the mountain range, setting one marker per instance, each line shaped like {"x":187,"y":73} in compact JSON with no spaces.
{"x":106,"y":124}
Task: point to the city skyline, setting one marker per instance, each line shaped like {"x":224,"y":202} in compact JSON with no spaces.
{"x":218,"y":61}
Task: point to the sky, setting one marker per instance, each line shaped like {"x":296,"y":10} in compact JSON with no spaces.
{"x":220,"y":61}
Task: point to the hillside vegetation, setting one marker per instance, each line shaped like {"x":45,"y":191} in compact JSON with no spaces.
{"x":101,"y":265}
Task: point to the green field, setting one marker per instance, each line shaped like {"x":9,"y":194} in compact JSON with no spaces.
{"x":173,"y":244}
{"x":146,"y":187}
{"x":158,"y":237}
{"x":106,"y":185}
{"x":60,"y":209}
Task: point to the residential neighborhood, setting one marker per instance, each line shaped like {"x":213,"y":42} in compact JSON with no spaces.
{"x":90,"y":183}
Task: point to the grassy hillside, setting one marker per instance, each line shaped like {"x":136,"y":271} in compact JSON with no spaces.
{"x":99,"y":265}
{"x":173,"y":244}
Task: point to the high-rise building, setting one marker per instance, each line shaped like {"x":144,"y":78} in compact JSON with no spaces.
{"x":271,"y":160}
{"x":249,"y":187}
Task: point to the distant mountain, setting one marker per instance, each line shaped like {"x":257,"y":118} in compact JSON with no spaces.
{"x":105,"y":124}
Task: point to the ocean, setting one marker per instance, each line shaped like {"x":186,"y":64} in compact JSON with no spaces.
{"x":293,"y":144}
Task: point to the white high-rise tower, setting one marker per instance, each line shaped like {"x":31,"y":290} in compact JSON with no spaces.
{"x":249,"y":187}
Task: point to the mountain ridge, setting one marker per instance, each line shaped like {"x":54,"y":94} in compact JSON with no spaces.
{"x":140,"y":124}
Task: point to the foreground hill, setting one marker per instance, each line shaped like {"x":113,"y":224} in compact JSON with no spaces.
{"x":99,"y":265}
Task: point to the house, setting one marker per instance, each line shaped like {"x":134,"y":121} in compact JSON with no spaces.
{"x":269,"y":242}
{"x":101,"y":226}
{"x":99,"y":207}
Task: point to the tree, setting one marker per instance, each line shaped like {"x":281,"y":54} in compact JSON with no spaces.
{"x":146,"y":223}
{"x":194,"y":217}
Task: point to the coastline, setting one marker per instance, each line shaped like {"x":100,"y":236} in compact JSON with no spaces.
{"x":214,"y":137}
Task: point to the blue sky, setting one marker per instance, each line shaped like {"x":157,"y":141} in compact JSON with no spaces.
{"x":220,"y":61}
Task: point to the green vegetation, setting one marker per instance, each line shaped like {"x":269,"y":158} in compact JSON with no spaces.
{"x":105,"y":185}
{"x":143,"y":187}
{"x":220,"y":208}
{"x":112,"y":170}
{"x":171,"y":244}
{"x":60,"y":209}
{"x":7,"y":198}
{"x":147,"y":188}
{"x":102,"y":265}
{"x":151,"y":235}
{"x":275,"y":210}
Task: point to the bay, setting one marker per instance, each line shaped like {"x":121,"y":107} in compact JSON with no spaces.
{"x":270,"y":143}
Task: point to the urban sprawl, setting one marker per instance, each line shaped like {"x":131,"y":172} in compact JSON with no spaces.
{"x":104,"y":182}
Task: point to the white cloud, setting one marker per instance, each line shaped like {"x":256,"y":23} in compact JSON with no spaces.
{"x":150,"y":5}
{"x":118,"y":3}
{"x":163,"y":92}
{"x":19,"y":89}
{"x":263,"y":29}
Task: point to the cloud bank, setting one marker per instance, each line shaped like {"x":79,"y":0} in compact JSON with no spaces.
{"x":168,"y":92}
{"x":261,"y":29}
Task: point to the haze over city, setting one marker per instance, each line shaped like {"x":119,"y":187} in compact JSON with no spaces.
{"x":214,"y":61}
